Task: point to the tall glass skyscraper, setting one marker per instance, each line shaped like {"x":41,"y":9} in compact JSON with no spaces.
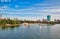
{"x":48,"y":17}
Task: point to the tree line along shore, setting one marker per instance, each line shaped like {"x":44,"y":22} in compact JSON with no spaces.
{"x":9,"y":22}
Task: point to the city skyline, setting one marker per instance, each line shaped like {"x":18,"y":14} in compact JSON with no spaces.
{"x":28,"y":9}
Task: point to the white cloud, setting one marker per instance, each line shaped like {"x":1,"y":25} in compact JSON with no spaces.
{"x":31,"y":9}
{"x":50,"y":10}
{"x":5,"y":7}
{"x":5,"y":0}
{"x":56,"y":16}
{"x":17,"y":6}
{"x":39,"y":4}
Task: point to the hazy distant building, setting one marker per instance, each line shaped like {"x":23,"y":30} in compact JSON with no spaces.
{"x":0,"y":16}
{"x":48,"y":17}
{"x":44,"y":20}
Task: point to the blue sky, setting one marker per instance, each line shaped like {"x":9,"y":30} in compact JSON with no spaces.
{"x":30,"y":9}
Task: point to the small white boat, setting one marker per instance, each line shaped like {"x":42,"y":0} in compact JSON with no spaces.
{"x":25,"y":24}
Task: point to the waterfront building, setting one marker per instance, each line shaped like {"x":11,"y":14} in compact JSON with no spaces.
{"x":44,"y":20}
{"x":38,"y":20}
{"x":57,"y":20}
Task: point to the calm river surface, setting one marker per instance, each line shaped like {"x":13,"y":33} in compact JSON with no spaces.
{"x":34,"y":31}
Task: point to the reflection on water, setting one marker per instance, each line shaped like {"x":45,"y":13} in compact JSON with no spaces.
{"x":48,"y":32}
{"x":34,"y":31}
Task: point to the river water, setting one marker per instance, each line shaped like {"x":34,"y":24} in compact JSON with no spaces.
{"x":34,"y":31}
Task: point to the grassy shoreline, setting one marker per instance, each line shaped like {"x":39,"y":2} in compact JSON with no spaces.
{"x":9,"y":25}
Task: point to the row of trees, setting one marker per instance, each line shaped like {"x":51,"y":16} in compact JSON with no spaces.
{"x":3,"y":22}
{"x":9,"y":21}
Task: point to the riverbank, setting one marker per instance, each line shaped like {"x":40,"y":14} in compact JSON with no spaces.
{"x":9,"y":25}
